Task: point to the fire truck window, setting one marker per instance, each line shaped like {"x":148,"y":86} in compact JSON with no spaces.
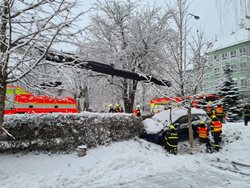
{"x":56,"y":106}
{"x":31,"y":106}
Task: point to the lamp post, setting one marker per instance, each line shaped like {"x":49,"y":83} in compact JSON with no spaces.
{"x":185,"y":37}
{"x":190,"y":129}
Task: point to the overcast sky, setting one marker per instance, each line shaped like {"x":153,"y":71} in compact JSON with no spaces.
{"x":212,"y":21}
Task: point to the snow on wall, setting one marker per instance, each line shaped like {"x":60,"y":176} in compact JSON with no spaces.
{"x":60,"y":131}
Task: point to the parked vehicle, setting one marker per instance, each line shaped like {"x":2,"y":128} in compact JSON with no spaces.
{"x":155,"y":128}
{"x":20,"y":101}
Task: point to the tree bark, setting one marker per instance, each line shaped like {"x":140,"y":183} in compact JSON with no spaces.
{"x":2,"y":100}
{"x":190,"y":128}
{"x":3,"y":61}
{"x":129,"y":95}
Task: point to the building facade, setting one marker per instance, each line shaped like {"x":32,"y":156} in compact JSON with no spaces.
{"x":237,"y":56}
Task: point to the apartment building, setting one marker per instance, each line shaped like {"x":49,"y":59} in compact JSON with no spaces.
{"x":235,"y":52}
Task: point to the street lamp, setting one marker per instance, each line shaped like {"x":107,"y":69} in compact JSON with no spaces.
{"x":185,"y":36}
{"x":190,"y":130}
{"x":195,"y":16}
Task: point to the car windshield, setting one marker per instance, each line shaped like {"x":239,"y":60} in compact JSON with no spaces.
{"x":203,"y":117}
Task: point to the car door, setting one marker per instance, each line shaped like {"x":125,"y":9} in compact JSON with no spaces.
{"x":181,"y":125}
{"x":195,"y":123}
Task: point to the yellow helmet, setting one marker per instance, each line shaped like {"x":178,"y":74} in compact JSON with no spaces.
{"x":213,"y":116}
{"x":171,"y":127}
{"x":202,"y":123}
{"x":110,"y":105}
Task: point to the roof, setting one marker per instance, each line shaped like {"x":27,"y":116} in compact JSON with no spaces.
{"x":238,"y":37}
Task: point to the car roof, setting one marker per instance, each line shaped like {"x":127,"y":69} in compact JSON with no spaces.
{"x":163,"y":119}
{"x":176,"y":113}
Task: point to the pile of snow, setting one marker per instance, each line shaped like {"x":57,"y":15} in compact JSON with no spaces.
{"x":162,"y":120}
{"x":135,"y":163}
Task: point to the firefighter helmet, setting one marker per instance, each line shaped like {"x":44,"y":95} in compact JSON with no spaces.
{"x":214,"y":118}
{"x":202,"y":123}
{"x":171,"y":127}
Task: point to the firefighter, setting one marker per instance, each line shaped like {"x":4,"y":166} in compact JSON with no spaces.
{"x":137,"y":111}
{"x":219,"y":112}
{"x":111,"y":109}
{"x":203,"y":134}
{"x":246,"y":113}
{"x":121,"y":109}
{"x":213,"y":114}
{"x":171,"y":140}
{"x":216,"y":130}
{"x":117,"y":108}
{"x":209,"y":108}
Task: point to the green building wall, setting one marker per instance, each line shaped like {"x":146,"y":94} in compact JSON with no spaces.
{"x":238,"y":58}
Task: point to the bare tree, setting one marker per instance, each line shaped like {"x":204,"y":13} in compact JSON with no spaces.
{"x":240,"y":8}
{"x":183,"y":58}
{"x":128,"y":38}
{"x":28,"y":29}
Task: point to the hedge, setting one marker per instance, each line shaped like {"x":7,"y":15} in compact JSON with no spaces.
{"x":54,"y":132}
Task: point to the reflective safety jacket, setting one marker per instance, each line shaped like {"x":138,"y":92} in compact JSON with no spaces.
{"x":171,"y":139}
{"x":137,"y":113}
{"x":209,"y":109}
{"x":117,"y":110}
{"x":219,"y":110}
{"x":203,"y":132}
{"x":216,"y":126}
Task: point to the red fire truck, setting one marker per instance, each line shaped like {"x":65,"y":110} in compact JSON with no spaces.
{"x":205,"y":101}
{"x":20,"y":101}
{"x":159,"y":104}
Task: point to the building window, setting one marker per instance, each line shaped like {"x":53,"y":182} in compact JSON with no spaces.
{"x":243,"y":66}
{"x":217,"y":71}
{"x":233,"y":53}
{"x":242,"y":51}
{"x":216,"y":57}
{"x":243,"y":83}
{"x":235,"y":83}
{"x":224,"y":56}
{"x":234,"y":67}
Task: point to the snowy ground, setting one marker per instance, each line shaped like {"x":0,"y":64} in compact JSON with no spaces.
{"x":135,"y":163}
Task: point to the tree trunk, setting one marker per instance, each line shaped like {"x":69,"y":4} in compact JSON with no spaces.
{"x":129,"y":95}
{"x":2,"y":100}
{"x":3,"y":61}
{"x":190,"y":128}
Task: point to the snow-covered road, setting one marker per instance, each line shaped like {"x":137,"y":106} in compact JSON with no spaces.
{"x":135,"y":163}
